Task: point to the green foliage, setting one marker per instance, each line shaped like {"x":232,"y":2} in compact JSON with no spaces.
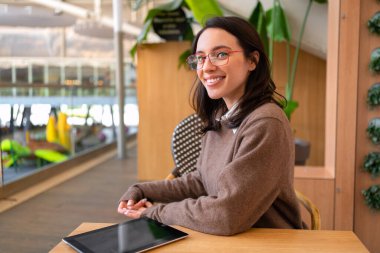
{"x":372,"y":164}
{"x":372,"y":197}
{"x":272,"y":25}
{"x":183,"y":57}
{"x":373,"y":96}
{"x":374,"y":64}
{"x":373,"y":130}
{"x":277,"y":23}
{"x":374,"y":24}
{"x":258,"y":20}
{"x":200,"y":9}
{"x":290,"y":107}
{"x":175,"y":4}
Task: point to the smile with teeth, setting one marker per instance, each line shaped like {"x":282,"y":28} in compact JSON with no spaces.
{"x":213,"y":80}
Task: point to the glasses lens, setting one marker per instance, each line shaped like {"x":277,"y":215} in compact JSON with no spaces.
{"x":195,"y":61}
{"x":219,"y":58}
{"x":192,"y":61}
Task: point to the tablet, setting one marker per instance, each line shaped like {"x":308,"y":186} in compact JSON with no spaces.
{"x":132,"y":236}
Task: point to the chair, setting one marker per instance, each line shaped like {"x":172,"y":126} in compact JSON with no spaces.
{"x":186,"y":147}
{"x":311,"y":208}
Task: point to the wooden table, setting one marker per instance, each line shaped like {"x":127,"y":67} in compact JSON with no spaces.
{"x":254,"y":240}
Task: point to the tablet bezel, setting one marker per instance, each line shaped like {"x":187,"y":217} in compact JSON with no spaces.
{"x":174,"y":235}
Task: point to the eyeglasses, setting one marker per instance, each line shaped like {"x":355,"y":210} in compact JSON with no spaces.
{"x":217,"y":58}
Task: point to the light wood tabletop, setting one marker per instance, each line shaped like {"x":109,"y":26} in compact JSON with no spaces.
{"x":254,"y":240}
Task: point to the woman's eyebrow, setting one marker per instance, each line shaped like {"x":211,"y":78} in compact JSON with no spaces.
{"x":215,"y":48}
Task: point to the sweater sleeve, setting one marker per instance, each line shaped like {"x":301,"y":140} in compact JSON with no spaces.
{"x":187,"y":186}
{"x":247,"y":186}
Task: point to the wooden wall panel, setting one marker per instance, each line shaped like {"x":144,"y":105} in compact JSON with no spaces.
{"x":308,"y":120}
{"x":321,"y":193}
{"x":163,"y":97}
{"x":346,"y":112}
{"x":366,"y":221}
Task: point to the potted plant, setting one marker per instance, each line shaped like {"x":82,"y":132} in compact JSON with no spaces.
{"x":272,"y":26}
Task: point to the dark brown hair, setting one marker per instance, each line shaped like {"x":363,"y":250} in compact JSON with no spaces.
{"x":259,"y":89}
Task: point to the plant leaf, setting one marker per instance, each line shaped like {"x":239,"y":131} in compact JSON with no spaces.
{"x":149,"y":19}
{"x":291,"y":106}
{"x":182,"y":58}
{"x":204,"y":9}
{"x":280,"y":23}
{"x":258,"y":20}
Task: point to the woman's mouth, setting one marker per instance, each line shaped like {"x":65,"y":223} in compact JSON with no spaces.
{"x":213,"y":80}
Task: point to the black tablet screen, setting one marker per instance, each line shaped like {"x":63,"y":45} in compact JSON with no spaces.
{"x":131,"y":236}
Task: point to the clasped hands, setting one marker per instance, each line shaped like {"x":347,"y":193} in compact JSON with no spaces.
{"x":133,"y":210}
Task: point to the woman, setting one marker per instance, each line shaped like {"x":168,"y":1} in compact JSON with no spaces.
{"x":244,"y":175}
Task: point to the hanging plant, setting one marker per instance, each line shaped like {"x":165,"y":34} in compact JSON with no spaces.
{"x":374,"y":64}
{"x":372,"y":164}
{"x":372,"y":197}
{"x":373,"y":130}
{"x":374,"y":24}
{"x":373,"y":96}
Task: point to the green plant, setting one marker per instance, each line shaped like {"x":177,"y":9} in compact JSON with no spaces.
{"x":272,"y":25}
{"x":374,"y":64}
{"x":373,"y":96}
{"x":372,"y":164}
{"x":372,"y":197}
{"x":199,"y":9}
{"x":374,"y":24}
{"x":373,"y":130}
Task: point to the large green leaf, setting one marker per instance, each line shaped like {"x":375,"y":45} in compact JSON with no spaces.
{"x":175,"y":4}
{"x":258,"y":20}
{"x":204,"y":9}
{"x":279,"y":22}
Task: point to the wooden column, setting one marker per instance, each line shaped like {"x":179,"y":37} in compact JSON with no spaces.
{"x":163,"y":97}
{"x":348,"y":50}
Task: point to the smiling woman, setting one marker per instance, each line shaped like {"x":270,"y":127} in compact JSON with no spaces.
{"x":244,"y":174}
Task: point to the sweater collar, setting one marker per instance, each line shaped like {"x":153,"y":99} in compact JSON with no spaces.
{"x":228,"y":114}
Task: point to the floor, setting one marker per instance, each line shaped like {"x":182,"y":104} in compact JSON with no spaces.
{"x":38,"y":224}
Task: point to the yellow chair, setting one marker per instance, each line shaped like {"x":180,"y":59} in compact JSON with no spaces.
{"x":186,"y":146}
{"x":311,"y":208}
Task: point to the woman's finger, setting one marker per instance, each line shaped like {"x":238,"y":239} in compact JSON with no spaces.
{"x":130,"y":203}
{"x":139,"y":204}
{"x":132,"y":214}
{"x":122,"y":207}
{"x":148,"y":204}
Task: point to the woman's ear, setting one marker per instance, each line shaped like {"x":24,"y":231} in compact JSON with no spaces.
{"x":254,"y":58}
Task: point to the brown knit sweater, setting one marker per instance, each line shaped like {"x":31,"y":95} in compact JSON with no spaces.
{"x":242,"y":180}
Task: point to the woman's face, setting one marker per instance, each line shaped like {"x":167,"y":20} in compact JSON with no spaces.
{"x":227,"y":81}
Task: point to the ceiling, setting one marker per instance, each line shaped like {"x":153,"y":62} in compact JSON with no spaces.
{"x":314,"y":40}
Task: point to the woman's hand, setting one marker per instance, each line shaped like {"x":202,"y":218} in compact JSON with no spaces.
{"x":132,"y":210}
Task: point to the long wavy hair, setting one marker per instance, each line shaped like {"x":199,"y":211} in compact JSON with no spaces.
{"x":259,"y":89}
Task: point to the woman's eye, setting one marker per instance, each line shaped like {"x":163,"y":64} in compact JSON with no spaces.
{"x":201,"y":58}
{"x":222,"y":55}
